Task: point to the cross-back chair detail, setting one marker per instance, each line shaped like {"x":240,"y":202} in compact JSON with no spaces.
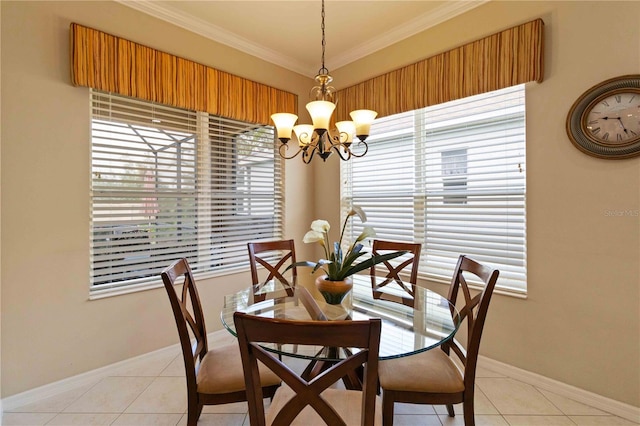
{"x":392,"y":272}
{"x":259,"y":255}
{"x":213,"y":376}
{"x":474,"y":309}
{"x":432,"y":377}
{"x":302,"y":401}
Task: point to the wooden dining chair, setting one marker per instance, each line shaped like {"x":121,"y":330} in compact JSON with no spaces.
{"x":353,"y":380}
{"x":432,"y":377}
{"x":274,"y":257}
{"x":312,"y":402}
{"x":408,"y":265}
{"x":214,"y":376}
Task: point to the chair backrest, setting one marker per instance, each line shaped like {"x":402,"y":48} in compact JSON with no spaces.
{"x":408,"y":263}
{"x":473,"y":310}
{"x":254,"y":330}
{"x":187,"y":311}
{"x":274,"y":256}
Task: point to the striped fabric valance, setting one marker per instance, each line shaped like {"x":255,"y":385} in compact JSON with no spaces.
{"x":105,"y":62}
{"x":504,"y":59}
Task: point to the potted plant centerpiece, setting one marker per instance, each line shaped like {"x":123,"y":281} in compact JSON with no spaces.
{"x":339,"y":265}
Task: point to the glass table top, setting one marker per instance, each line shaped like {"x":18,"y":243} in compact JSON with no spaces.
{"x":406,"y":329}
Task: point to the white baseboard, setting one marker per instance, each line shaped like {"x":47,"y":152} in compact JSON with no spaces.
{"x":617,"y":408}
{"x":591,"y":399}
{"x":83,"y":379}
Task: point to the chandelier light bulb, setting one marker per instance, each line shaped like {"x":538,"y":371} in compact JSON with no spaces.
{"x":303,"y":132}
{"x":284,"y":124}
{"x":320,"y":112}
{"x":347,"y":130}
{"x":363,"y":119}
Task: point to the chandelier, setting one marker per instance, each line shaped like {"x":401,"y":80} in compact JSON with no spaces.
{"x":319,"y":138}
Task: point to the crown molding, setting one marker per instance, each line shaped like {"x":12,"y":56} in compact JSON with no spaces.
{"x":418,"y":24}
{"x":215,"y":33}
{"x":228,"y":38}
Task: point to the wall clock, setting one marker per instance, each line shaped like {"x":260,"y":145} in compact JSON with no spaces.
{"x":605,"y":120}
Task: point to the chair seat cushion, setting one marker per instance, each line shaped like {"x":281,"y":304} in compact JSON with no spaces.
{"x":221,"y":371}
{"x":346,"y":402}
{"x":431,"y":371}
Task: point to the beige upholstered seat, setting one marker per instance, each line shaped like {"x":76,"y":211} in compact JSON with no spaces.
{"x":213,"y":376}
{"x":311,"y":402}
{"x":432,"y":377}
{"x":221,"y":371}
{"x":430,"y":371}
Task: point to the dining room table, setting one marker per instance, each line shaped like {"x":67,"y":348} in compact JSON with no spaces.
{"x":410,"y":324}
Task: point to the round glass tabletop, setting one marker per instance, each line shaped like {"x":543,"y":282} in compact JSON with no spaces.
{"x":410,"y":323}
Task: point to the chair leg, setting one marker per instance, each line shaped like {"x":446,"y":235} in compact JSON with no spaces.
{"x":193,"y":413}
{"x":450,"y":410}
{"x":467,"y":406}
{"x":387,"y":408}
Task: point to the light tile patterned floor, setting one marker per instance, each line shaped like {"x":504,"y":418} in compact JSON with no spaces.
{"x":156,"y":395}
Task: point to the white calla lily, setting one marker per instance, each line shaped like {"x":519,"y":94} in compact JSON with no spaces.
{"x":320,"y":225}
{"x":361,"y":214}
{"x":337,"y":264}
{"x":313,"y":237}
{"x":367,"y":232}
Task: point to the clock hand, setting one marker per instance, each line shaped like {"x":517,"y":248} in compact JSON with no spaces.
{"x":622,"y":124}
{"x":619,"y":121}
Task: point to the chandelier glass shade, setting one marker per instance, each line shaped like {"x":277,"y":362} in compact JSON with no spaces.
{"x":320,"y":137}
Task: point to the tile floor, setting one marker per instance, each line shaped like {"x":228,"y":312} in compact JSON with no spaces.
{"x":156,"y":395}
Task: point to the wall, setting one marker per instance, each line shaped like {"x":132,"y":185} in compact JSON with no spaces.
{"x":50,"y":330}
{"x":580,"y":324}
{"x":581,"y":321}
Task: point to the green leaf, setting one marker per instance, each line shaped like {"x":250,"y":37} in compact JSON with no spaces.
{"x":353,"y":255}
{"x":373,"y":260}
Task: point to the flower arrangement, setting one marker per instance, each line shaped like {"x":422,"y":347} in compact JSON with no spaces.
{"x":338,"y":264}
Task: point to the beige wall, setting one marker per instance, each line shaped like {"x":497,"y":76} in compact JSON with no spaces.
{"x":50,"y":330}
{"x":580,"y":324}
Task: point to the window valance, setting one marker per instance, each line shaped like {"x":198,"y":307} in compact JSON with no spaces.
{"x":109,"y":63}
{"x":507,"y":58}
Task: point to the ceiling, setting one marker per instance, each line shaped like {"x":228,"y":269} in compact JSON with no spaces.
{"x":288,"y":33}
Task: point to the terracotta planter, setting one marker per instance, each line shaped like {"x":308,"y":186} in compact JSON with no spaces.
{"x":333,"y":291}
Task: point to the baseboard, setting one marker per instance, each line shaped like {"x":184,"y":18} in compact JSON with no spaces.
{"x":617,"y":408}
{"x":83,"y":379}
{"x":591,"y":399}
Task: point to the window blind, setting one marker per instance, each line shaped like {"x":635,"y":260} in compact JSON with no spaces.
{"x":170,"y":183}
{"x":452,"y":177}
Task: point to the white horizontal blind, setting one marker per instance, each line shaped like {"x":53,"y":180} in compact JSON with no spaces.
{"x":451,"y":177}
{"x":170,"y":183}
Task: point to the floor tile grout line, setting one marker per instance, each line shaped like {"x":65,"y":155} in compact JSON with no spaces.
{"x":488,"y":399}
{"x":604,"y":413}
{"x":141,"y":392}
{"x":62,"y":411}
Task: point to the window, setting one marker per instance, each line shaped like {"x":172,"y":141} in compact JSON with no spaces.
{"x":452,"y":177}
{"x":170,"y":183}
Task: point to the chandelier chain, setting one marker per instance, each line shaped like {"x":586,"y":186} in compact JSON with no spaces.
{"x":323,"y":69}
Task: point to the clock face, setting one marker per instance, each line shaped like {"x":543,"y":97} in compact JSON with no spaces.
{"x":604,"y":121}
{"x":614,"y":118}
